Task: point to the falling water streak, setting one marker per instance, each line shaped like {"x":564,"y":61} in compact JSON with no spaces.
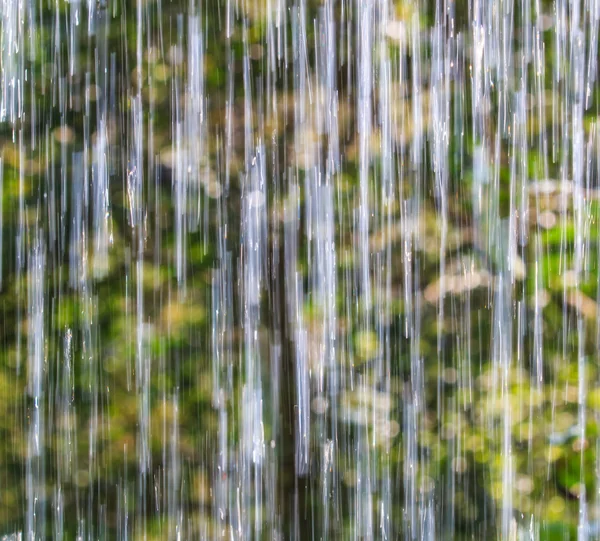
{"x":35,"y":471}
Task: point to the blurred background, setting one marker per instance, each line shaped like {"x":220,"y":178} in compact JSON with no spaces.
{"x":299,"y":269}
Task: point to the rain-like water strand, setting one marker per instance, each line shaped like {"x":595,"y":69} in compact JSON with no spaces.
{"x":300,"y":270}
